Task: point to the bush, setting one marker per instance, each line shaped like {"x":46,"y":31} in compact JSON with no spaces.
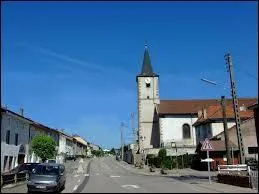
{"x":162,"y":153}
{"x":167,"y":162}
{"x":157,"y":162}
{"x":150,"y":159}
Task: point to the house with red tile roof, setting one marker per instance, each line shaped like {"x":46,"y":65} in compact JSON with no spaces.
{"x":249,"y":137}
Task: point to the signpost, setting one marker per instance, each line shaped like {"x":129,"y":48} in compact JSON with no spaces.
{"x":207,"y":146}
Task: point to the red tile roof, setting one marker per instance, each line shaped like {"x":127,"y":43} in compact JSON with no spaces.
{"x":215,"y":112}
{"x":194,"y":105}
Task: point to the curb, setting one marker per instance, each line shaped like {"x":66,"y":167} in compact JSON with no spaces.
{"x":9,"y":186}
{"x":84,"y":182}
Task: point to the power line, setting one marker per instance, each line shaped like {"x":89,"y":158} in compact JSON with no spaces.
{"x":247,"y":73}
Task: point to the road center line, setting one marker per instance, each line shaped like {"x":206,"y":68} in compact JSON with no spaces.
{"x":114,"y":176}
{"x":75,"y":187}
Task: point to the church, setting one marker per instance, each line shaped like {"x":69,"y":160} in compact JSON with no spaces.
{"x":171,"y":124}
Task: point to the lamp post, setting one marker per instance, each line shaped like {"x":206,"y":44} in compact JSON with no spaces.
{"x":223,"y":105}
{"x":173,"y":144}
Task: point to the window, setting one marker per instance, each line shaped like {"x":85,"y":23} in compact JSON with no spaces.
{"x":148,"y":85}
{"x":5,"y":162}
{"x":16,"y":138}
{"x":9,"y":121}
{"x":147,"y":97}
{"x":7,"y":137}
{"x":186,"y":131}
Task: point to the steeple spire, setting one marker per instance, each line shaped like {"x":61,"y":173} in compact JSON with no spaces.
{"x":147,"y":69}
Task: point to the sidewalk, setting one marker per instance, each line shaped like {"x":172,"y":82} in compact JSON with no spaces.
{"x":77,"y":176}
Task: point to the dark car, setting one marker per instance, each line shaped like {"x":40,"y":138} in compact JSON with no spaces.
{"x":47,"y":177}
{"x":22,"y":168}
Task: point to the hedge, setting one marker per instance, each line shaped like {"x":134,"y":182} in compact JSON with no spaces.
{"x":170,"y":161}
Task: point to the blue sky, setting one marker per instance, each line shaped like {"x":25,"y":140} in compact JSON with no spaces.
{"x":74,"y":65}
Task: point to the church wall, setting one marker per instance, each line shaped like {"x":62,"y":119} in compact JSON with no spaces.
{"x":171,"y":128}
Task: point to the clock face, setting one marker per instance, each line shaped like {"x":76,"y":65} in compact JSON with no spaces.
{"x":147,"y":80}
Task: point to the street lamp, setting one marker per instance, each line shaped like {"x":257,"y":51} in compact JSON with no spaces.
{"x":173,"y":144}
{"x":223,"y":105}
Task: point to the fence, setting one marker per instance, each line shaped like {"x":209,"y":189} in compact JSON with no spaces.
{"x":13,"y":178}
{"x":240,"y":169}
{"x":253,"y":178}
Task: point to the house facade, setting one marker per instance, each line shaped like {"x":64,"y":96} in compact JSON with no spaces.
{"x":66,"y":145}
{"x":14,"y":139}
{"x":249,"y":137}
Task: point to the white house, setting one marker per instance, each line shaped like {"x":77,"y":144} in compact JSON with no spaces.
{"x":65,"y":144}
{"x":14,"y":139}
{"x":17,"y":132}
{"x":170,"y":123}
{"x":210,"y":121}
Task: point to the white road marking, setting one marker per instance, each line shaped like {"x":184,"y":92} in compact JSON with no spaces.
{"x":134,"y":186}
{"x":86,"y":174}
{"x":114,"y":176}
{"x":75,"y":187}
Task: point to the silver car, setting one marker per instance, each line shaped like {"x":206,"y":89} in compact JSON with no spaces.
{"x":47,"y":177}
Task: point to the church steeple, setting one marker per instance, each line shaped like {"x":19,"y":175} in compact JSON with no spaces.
{"x":147,"y":69}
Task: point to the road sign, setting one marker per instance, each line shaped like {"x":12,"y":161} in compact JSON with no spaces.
{"x":206,"y":145}
{"x":207,"y":160}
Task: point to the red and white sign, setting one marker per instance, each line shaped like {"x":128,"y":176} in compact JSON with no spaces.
{"x":206,"y":145}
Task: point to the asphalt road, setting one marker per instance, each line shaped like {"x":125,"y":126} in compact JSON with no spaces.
{"x":106,"y":175}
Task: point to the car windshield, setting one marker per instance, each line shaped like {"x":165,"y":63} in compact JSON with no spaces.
{"x":46,"y":170}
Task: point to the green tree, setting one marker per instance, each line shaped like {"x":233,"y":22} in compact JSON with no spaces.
{"x":44,"y":147}
{"x":112,"y":151}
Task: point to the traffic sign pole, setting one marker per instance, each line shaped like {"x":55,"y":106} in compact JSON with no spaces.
{"x":208,"y":165}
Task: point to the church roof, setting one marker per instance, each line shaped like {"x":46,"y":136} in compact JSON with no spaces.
{"x":170,"y":107}
{"x":147,"y":69}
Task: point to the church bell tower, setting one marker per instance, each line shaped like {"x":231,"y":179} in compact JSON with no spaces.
{"x":148,"y":99}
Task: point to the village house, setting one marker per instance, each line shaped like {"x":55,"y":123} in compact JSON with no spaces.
{"x":81,"y":146}
{"x":249,"y":137}
{"x":66,"y":145}
{"x":210,"y":119}
{"x":14,"y":138}
{"x":17,"y":132}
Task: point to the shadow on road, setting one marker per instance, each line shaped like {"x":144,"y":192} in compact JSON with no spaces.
{"x":193,"y":177}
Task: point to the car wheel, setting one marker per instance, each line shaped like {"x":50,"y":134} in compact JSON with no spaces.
{"x":63,"y":186}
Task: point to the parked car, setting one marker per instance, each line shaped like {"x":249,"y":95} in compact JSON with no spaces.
{"x":47,"y":177}
{"x":22,"y":168}
{"x":50,"y":161}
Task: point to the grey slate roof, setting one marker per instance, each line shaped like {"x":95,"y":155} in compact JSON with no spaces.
{"x":147,"y":69}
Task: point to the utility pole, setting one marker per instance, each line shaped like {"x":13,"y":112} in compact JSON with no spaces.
{"x":122,"y":141}
{"x":133,"y":125}
{"x":223,"y":105}
{"x":228,"y":59}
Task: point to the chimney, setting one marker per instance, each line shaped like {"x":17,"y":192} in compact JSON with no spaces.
{"x":204,"y":112}
{"x":21,"y":111}
{"x":199,"y":113}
